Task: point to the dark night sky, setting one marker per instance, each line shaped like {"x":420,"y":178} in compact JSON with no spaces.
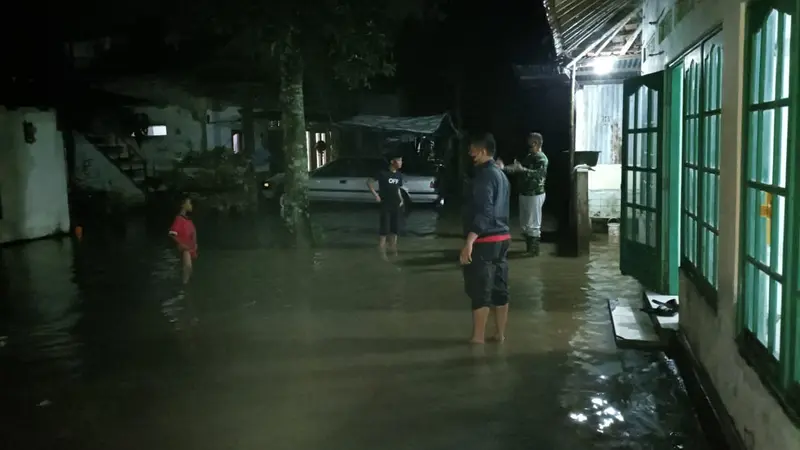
{"x":473,"y":49}
{"x":476,"y":46}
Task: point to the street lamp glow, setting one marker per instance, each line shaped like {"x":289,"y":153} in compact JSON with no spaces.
{"x":604,"y":65}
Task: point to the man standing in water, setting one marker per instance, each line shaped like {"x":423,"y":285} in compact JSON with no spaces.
{"x":533,"y":174}
{"x":485,"y":254}
{"x":184,"y":234}
{"x":390,"y":197}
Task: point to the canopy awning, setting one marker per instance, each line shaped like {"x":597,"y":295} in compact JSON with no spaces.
{"x":415,"y":125}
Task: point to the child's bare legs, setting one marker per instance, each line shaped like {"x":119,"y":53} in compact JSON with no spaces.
{"x":393,"y":243}
{"x":382,"y":246}
{"x":186,"y":266}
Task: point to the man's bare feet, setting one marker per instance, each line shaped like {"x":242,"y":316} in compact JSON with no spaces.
{"x":477,"y":341}
{"x":498,"y":339}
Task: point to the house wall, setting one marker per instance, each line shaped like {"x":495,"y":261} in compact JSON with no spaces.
{"x":185,"y":134}
{"x":604,"y":191}
{"x":759,"y":418}
{"x":33,"y":177}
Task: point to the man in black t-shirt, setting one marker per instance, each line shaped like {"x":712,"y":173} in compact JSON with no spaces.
{"x":390,"y":197}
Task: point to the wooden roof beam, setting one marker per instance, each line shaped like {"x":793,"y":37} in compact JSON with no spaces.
{"x":630,"y":41}
{"x":605,"y":37}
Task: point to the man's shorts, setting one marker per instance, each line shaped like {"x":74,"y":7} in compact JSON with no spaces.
{"x":390,"y":221}
{"x":486,"y":277}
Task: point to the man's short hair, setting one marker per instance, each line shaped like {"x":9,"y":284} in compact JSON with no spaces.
{"x":536,"y":138}
{"x":485,"y":141}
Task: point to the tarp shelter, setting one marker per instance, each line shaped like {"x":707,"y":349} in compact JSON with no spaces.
{"x":422,"y":125}
{"x":368,"y":135}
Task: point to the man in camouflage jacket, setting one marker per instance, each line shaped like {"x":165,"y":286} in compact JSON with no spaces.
{"x":532,"y":173}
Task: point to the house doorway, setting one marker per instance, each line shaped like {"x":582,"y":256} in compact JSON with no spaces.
{"x":236,"y":141}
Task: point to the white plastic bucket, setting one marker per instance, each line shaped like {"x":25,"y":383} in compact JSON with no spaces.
{"x":613,"y":231}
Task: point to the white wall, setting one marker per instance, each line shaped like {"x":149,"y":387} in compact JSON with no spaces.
{"x":94,"y":171}
{"x":33,"y":177}
{"x":758,"y":417}
{"x":605,"y":184}
{"x":184,"y":134}
{"x":706,"y":15}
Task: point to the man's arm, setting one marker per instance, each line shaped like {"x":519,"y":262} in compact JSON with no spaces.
{"x":400,"y":187}
{"x":174,"y":230}
{"x":482,"y":203}
{"x":538,"y":167}
{"x":370,"y":182}
{"x":400,"y":193}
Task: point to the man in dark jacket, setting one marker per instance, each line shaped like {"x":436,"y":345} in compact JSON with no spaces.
{"x":485,"y":253}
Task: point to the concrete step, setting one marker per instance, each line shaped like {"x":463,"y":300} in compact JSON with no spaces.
{"x":109,"y":149}
{"x":632,"y":327}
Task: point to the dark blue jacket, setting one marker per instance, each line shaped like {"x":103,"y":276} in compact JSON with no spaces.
{"x":486,"y":207}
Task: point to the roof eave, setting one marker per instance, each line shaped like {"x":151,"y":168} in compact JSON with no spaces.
{"x":554,"y":27}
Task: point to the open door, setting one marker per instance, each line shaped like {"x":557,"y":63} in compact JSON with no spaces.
{"x":642,"y":252}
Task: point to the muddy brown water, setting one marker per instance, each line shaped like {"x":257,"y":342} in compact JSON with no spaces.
{"x":272,"y":348}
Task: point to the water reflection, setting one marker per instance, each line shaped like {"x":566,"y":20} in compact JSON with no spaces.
{"x":40,"y":294}
{"x":333,"y":349}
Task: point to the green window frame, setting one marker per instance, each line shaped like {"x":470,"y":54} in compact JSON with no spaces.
{"x":702,"y":110}
{"x":769,"y":294}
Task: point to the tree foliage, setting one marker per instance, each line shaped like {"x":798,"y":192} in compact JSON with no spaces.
{"x":346,"y":40}
{"x":349,"y":40}
{"x":287,"y":44}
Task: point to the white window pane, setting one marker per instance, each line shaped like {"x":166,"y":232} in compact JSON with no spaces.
{"x":157,"y":130}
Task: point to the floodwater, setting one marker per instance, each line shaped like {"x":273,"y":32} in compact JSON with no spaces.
{"x":272,"y":348}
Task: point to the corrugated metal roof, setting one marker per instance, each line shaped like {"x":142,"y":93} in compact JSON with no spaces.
{"x":623,"y":68}
{"x":598,"y":121}
{"x":577,"y":23}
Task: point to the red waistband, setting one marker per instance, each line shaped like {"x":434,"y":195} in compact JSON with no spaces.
{"x":495,"y":238}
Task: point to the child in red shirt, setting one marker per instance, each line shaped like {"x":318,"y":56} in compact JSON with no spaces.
{"x":184,"y":234}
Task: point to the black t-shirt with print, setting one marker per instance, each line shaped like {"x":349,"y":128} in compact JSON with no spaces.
{"x":389,"y":184}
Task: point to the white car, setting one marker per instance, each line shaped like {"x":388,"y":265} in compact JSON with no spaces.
{"x":345,"y":180}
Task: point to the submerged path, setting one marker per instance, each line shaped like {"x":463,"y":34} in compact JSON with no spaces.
{"x":273,"y":349}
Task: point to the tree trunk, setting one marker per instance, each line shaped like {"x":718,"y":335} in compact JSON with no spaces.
{"x":293,"y":121}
